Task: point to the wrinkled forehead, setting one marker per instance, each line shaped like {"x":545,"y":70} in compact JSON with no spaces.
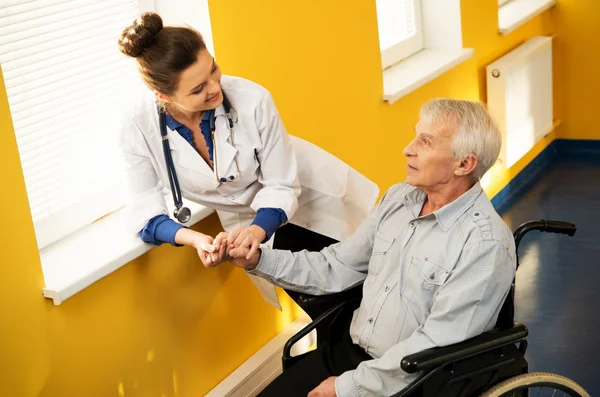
{"x":437,"y":125}
{"x":436,"y":128}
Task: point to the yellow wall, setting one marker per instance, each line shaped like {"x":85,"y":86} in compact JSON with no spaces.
{"x":320,"y":60}
{"x":164,"y":326}
{"x":578,"y":40}
{"x":24,"y":364}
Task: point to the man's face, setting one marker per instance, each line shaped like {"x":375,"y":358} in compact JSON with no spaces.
{"x":430,"y":161}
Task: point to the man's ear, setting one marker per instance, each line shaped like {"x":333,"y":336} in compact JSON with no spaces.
{"x":466,"y":166}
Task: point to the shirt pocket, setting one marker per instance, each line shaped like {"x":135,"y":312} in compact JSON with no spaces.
{"x":381,"y":246}
{"x":425,"y":276}
{"x":433,"y":274}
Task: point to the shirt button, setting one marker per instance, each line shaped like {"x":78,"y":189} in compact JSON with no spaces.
{"x":308,"y":225}
{"x":232,"y":197}
{"x":371,"y":320}
{"x":387,"y":288}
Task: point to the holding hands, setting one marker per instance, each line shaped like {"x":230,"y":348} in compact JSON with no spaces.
{"x":240,"y":246}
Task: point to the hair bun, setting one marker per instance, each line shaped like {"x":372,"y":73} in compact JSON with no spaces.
{"x":141,"y":34}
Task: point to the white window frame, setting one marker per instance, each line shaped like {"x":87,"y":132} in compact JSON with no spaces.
{"x":93,"y":240}
{"x":62,"y":224}
{"x":442,"y":50}
{"x":513,"y":14}
{"x":408,"y":47}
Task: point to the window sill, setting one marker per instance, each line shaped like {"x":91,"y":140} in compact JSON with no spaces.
{"x":419,"y":69}
{"x":76,"y":262}
{"x":517,"y":12}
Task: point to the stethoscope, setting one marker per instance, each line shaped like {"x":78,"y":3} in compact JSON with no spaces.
{"x":181,"y":213}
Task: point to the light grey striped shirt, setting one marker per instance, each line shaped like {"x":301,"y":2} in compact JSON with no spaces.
{"x":429,"y":281}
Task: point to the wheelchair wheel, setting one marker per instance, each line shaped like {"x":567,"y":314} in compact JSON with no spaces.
{"x":537,"y":384}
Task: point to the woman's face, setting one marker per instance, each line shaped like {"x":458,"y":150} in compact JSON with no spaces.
{"x":199,"y":87}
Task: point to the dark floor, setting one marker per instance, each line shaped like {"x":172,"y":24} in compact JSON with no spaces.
{"x":558,"y":282}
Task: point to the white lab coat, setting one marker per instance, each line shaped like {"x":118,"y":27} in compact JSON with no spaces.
{"x":314,"y":188}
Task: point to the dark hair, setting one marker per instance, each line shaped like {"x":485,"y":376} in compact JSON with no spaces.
{"x":162,"y":53}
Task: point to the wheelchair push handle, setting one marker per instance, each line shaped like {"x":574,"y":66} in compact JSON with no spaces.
{"x":560,"y":227}
{"x":543,"y":225}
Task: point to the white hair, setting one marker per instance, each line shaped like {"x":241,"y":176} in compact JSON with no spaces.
{"x":474,"y":130}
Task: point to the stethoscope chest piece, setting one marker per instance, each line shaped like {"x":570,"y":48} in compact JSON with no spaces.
{"x":182,"y":214}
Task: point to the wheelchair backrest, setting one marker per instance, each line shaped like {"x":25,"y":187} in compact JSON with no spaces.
{"x":506,"y":317}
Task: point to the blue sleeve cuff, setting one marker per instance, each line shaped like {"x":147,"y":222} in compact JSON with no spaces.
{"x":269,"y":219}
{"x":160,"y":229}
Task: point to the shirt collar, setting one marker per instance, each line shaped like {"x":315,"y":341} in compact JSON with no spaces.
{"x":174,"y":124}
{"x":448,"y":214}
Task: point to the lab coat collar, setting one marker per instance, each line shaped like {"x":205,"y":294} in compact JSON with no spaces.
{"x":188,"y":158}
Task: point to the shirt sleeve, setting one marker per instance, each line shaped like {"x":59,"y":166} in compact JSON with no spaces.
{"x":269,"y":219}
{"x":160,"y":229}
{"x":334,"y":269}
{"x":466,"y":306}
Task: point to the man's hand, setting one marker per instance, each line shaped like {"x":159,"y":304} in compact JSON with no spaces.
{"x":241,"y":257}
{"x":248,"y":239}
{"x":325,"y":389}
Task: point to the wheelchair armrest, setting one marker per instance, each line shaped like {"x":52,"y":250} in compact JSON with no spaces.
{"x":438,"y":356}
{"x":287,"y":348}
{"x":307,"y":301}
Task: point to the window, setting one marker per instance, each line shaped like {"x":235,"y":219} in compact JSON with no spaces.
{"x":400,"y":29}
{"x":67,"y":84}
{"x":419,"y":41}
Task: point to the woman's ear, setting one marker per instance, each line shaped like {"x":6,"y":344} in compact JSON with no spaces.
{"x":466,"y":166}
{"x":162,"y":98}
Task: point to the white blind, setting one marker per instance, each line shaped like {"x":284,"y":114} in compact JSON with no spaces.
{"x":67,"y":84}
{"x":396,"y":20}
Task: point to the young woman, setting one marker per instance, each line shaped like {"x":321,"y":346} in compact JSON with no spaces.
{"x":228,"y":150}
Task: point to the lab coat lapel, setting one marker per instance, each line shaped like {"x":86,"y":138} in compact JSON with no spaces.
{"x":225,"y":151}
{"x":184,"y":155}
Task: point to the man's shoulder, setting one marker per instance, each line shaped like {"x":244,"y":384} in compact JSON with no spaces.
{"x":482,"y":224}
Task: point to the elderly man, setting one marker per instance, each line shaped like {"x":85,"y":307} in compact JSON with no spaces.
{"x":436,"y":259}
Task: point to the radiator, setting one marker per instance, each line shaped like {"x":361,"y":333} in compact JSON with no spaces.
{"x":519,"y":92}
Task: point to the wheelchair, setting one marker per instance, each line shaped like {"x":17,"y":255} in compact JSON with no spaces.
{"x":492,"y":364}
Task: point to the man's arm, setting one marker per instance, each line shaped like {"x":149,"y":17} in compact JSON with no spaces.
{"x":464,"y":307}
{"x":335,"y":268}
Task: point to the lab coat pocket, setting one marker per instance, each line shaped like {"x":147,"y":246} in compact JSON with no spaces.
{"x":381,"y":247}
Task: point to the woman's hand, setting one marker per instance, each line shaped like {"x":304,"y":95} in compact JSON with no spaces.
{"x":241,"y":240}
{"x":210,"y":255}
